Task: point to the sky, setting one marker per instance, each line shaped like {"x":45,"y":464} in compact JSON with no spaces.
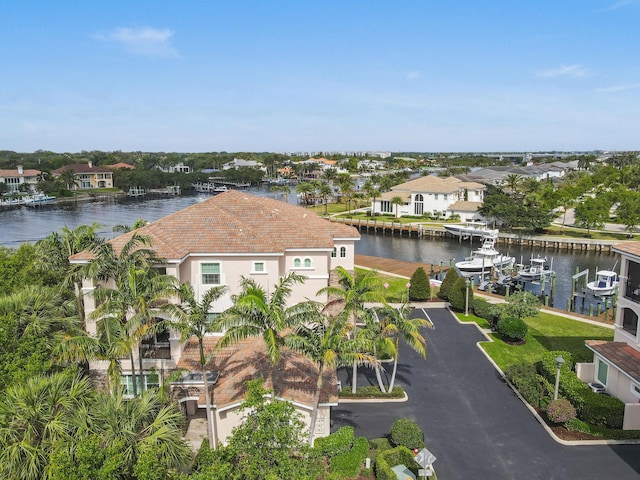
{"x":300,"y":75}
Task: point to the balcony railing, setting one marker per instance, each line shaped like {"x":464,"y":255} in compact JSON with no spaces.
{"x":161,"y":350}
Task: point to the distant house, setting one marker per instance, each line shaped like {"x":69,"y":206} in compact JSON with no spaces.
{"x":15,"y":178}
{"x":218,"y":242}
{"x":177,"y":168}
{"x":88,"y":176}
{"x":616,"y":364}
{"x":496,"y":175}
{"x":117,"y":166}
{"x":241,"y":163}
{"x":430,"y":195}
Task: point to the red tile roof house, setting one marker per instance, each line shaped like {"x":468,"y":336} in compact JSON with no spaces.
{"x":228,"y":236}
{"x":616,"y":364}
{"x":87,"y":176}
{"x":19,"y":176}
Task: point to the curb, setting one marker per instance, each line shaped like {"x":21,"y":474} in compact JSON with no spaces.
{"x":374,"y":400}
{"x":540,"y":420}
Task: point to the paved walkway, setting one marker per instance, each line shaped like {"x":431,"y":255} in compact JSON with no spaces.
{"x":473,"y":422}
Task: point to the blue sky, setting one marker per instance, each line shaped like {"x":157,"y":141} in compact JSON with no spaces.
{"x":195,"y":76}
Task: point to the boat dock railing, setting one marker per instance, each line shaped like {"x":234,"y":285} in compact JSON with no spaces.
{"x":417,"y":230}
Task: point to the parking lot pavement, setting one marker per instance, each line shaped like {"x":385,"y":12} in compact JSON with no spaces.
{"x":473,"y":422}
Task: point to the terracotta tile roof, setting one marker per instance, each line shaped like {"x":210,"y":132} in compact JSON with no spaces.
{"x":14,"y":173}
{"x":465,"y":206}
{"x":620,"y":354}
{"x":631,"y":248}
{"x":237,"y":222}
{"x":115,"y":166}
{"x":295,"y":376}
{"x":81,"y":168}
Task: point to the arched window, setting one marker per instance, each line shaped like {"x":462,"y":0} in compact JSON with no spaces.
{"x":307,"y":263}
{"x":296,"y":263}
{"x":630,"y":321}
{"x":418,"y":204}
{"x":334,"y":253}
{"x":343,"y":252}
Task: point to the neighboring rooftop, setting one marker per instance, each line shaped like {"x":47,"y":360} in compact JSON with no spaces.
{"x":620,"y":354}
{"x":82,"y":168}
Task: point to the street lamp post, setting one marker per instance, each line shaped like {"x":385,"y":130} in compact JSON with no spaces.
{"x":408,"y":287}
{"x":467,"y":282}
{"x":559,"y":363}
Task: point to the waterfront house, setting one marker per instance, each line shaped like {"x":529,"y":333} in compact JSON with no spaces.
{"x":14,"y":178}
{"x":435,"y":196}
{"x":217,"y":242}
{"x":88,"y":176}
{"x":616,"y":364}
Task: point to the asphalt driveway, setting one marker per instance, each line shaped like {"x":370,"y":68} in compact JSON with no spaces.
{"x":473,"y":422}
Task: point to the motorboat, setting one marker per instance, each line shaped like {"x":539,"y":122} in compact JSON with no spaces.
{"x":484,"y":259}
{"x":470,"y":229}
{"x":537,"y":268}
{"x":37,"y":199}
{"x":605,"y":283}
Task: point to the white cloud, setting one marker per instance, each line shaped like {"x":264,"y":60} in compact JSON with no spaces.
{"x":575,"y":71}
{"x":619,"y":4}
{"x":147,"y":41}
{"x":412,"y":75}
{"x":618,"y":88}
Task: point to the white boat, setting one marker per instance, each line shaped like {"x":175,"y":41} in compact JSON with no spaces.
{"x":484,"y":259}
{"x":220,"y":188}
{"x":535,"y":270}
{"x":37,"y":199}
{"x":470,"y":229}
{"x":605,"y":284}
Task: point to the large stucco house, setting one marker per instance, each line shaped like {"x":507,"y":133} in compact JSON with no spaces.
{"x":616,"y":364}
{"x":217,"y":242}
{"x":88,"y":175}
{"x":436,"y":196}
{"x":15,"y":178}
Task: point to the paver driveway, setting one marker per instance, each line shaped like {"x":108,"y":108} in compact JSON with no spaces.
{"x":473,"y":422}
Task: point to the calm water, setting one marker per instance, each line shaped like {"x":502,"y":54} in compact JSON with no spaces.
{"x":31,"y":224}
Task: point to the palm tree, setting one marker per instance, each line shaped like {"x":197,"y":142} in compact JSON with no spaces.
{"x":512,"y":182}
{"x":194,"y":318}
{"x":304,"y":189}
{"x":33,"y":417}
{"x":396,"y":322}
{"x":378,"y":333}
{"x":325,"y":341}
{"x":372,"y":193}
{"x":69,"y":179}
{"x":324,"y":190}
{"x":53,"y":253}
{"x":397,"y":201}
{"x":258,"y":313}
{"x":346,"y":189}
{"x":351,"y":293}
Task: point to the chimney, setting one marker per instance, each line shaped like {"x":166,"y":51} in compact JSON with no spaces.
{"x":20,"y":170}
{"x":90,"y":164}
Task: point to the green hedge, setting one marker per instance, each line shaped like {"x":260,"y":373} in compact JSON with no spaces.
{"x":512,"y":328}
{"x":372,"y":392}
{"x":612,"y":434}
{"x":484,"y":309}
{"x":390,"y":458}
{"x":533,"y":387}
{"x":349,"y":464}
{"x":406,"y":432}
{"x":593,"y":408}
{"x":457,"y":295}
{"x":338,"y":443}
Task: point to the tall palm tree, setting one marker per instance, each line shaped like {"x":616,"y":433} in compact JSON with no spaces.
{"x":304,"y":189}
{"x":346,"y":189}
{"x":69,"y":179}
{"x":372,"y":193}
{"x":351,"y":293}
{"x":379,"y":334}
{"x":33,"y":417}
{"x":324,"y":190}
{"x":397,"y":201}
{"x":53,"y":253}
{"x":258,"y":313}
{"x":325,"y":342}
{"x":512,"y":182}
{"x":194,"y":318}
{"x":397,"y":323}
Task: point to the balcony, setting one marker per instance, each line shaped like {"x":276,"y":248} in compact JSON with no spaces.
{"x":159,"y":350}
{"x":632,"y":290}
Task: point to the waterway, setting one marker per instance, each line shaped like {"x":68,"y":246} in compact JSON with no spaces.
{"x":24,"y":224}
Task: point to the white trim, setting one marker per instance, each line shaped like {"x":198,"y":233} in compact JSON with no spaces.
{"x":238,"y":254}
{"x":186,"y":399}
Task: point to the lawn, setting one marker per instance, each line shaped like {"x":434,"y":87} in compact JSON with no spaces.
{"x":547,"y":332}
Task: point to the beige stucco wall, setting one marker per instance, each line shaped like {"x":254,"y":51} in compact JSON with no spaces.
{"x":586,"y":372}
{"x":631,"y":416}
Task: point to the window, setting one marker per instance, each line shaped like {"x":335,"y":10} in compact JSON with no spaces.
{"x":210,"y":273}
{"x":156,"y":345}
{"x":258,"y":267}
{"x":630,"y":321}
{"x":418,"y":204}
{"x":603,"y":371}
{"x":145,"y":382}
{"x":334,"y":253}
{"x":632,"y":290}
{"x":435,"y":196}
{"x":445,"y":197}
{"x":307,"y":263}
{"x":343,"y":252}
{"x":386,"y":207}
{"x":635,"y":389}
{"x":297,"y":263}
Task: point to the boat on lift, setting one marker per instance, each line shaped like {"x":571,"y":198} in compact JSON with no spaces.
{"x":484,"y":259}
{"x":605,"y":284}
{"x":537,"y":268}
{"x":470,"y":229}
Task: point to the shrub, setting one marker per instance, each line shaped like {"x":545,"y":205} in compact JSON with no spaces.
{"x":560,"y":411}
{"x":349,"y":464}
{"x":484,"y":309}
{"x":533,"y":387}
{"x":372,"y":392}
{"x":407,"y":433}
{"x":458,"y":294}
{"x":337,"y":443}
{"x":521,"y":305}
{"x":420,"y":288}
{"x":512,"y":328}
{"x":449,"y":280}
{"x":390,"y":458}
